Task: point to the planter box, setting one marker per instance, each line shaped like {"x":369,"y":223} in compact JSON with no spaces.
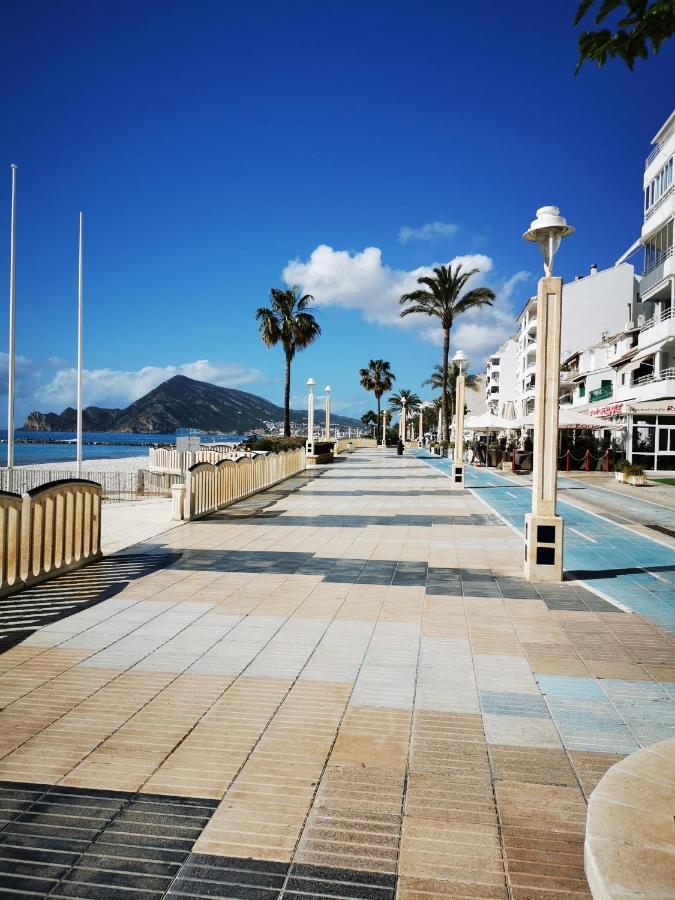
{"x":620,"y":477}
{"x":636,"y":480}
{"x":319,"y":460}
{"x":507,"y":466}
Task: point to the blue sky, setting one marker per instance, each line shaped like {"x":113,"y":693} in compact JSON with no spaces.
{"x":216,"y":146}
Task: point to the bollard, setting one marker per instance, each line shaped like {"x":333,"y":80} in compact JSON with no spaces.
{"x":567,"y":462}
{"x":177,"y":502}
{"x":587,"y":463}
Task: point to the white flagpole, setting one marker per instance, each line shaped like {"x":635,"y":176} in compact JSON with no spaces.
{"x":79,"y":351}
{"x":10,"y":377}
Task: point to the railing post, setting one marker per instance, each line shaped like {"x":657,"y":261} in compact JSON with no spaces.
{"x":567,"y":461}
{"x":606,"y":460}
{"x":587,"y":462}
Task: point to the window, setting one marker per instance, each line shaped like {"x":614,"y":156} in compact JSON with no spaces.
{"x":582,"y":390}
{"x":658,"y":245}
{"x":659,"y":185}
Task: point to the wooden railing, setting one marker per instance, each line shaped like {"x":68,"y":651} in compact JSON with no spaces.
{"x":51,"y":529}
{"x":211,"y":487}
{"x":357,"y":444}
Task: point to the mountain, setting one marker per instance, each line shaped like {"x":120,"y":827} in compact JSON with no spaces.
{"x":179,"y":402}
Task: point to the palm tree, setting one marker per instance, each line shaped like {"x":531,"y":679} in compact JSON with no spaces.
{"x":471,"y":383}
{"x":369,"y":419}
{"x":288,"y":321}
{"x":412,"y":401}
{"x":441,"y":297}
{"x":378,"y":378}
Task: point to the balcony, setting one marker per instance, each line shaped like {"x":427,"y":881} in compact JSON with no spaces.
{"x":663,"y":375}
{"x":602,"y":393}
{"x":656,"y":271}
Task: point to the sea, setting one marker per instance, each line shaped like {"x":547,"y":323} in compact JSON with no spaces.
{"x":32,"y":447}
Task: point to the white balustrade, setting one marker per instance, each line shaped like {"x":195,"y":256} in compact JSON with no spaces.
{"x":51,"y":529}
{"x":210,"y":487}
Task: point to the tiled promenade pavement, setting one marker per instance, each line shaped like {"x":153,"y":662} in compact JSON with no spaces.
{"x":340,"y":688}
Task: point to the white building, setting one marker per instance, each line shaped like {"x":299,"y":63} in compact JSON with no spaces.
{"x":500,"y":377}
{"x":526,"y":358}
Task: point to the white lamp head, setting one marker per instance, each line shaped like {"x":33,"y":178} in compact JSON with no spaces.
{"x":327,"y":389}
{"x":311,"y":382}
{"x":461,"y":361}
{"x":547,"y":230}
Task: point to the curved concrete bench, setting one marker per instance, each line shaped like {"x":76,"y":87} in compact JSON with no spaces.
{"x":630,"y":831}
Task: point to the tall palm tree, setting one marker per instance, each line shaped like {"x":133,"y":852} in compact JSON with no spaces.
{"x":441,"y":297}
{"x":471,"y":383}
{"x":288,"y":321}
{"x":377,"y":378}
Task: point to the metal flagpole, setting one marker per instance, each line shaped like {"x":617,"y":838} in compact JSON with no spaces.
{"x":79,"y":351}
{"x":10,"y":377}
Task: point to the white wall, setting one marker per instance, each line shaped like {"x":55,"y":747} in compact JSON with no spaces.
{"x":596,"y":304}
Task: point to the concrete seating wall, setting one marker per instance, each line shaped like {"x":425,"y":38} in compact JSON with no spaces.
{"x":48,"y":530}
{"x":211,"y":487}
{"x":357,"y":444}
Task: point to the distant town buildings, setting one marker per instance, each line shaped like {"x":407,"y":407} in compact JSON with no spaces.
{"x":618,"y":334}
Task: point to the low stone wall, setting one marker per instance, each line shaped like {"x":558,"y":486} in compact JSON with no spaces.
{"x":211,"y":487}
{"x":629,"y":849}
{"x":48,"y":530}
{"x":357,"y":444}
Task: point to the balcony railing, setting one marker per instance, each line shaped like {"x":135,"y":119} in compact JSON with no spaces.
{"x":658,"y":147}
{"x":601,"y":393}
{"x":663,"y":375}
{"x":659,"y":317}
{"x":658,"y":260}
{"x":659,"y":202}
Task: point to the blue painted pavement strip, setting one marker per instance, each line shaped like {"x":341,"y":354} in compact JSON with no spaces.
{"x":627,"y":567}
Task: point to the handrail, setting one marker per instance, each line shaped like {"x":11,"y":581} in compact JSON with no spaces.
{"x":663,"y":375}
{"x":655,"y":263}
{"x":657,"y":319}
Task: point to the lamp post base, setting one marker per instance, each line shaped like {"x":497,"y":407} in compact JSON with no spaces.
{"x":458,"y":476}
{"x":543,"y":548}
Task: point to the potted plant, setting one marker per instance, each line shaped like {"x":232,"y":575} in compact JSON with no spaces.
{"x":493,"y":452}
{"x":635,"y":475}
{"x":620,"y":470}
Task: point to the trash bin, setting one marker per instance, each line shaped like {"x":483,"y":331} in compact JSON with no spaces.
{"x":350,"y":447}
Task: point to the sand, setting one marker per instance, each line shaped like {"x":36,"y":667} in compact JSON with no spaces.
{"x":119,"y":464}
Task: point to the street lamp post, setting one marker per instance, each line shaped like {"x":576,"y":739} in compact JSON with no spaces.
{"x":310,"y":417}
{"x":543,"y":528}
{"x":12,"y":331}
{"x":384,"y":427}
{"x":402,"y":421}
{"x":327,"y":435}
{"x":461,"y":362}
{"x":419,"y":437}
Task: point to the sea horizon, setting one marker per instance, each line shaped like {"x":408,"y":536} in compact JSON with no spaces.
{"x":43,"y":447}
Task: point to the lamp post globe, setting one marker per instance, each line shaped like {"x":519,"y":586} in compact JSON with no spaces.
{"x":547,"y":231}
{"x":461,"y":361}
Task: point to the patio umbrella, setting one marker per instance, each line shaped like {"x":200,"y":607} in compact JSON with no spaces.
{"x":487,"y":422}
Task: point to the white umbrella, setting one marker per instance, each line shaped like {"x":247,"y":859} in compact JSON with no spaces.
{"x":569,"y":419}
{"x":487,"y":422}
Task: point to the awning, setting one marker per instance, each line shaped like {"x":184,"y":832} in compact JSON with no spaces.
{"x":488,"y":422}
{"x":620,"y":360}
{"x":570,"y":419}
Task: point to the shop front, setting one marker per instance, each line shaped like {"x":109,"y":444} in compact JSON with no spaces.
{"x":649,"y":431}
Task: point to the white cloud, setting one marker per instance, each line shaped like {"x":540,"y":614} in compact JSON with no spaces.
{"x":118,"y":388}
{"x":429,"y":232}
{"x":362,"y":282}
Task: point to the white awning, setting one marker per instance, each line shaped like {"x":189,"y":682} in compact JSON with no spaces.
{"x":488,"y":422}
{"x":569,"y":419}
